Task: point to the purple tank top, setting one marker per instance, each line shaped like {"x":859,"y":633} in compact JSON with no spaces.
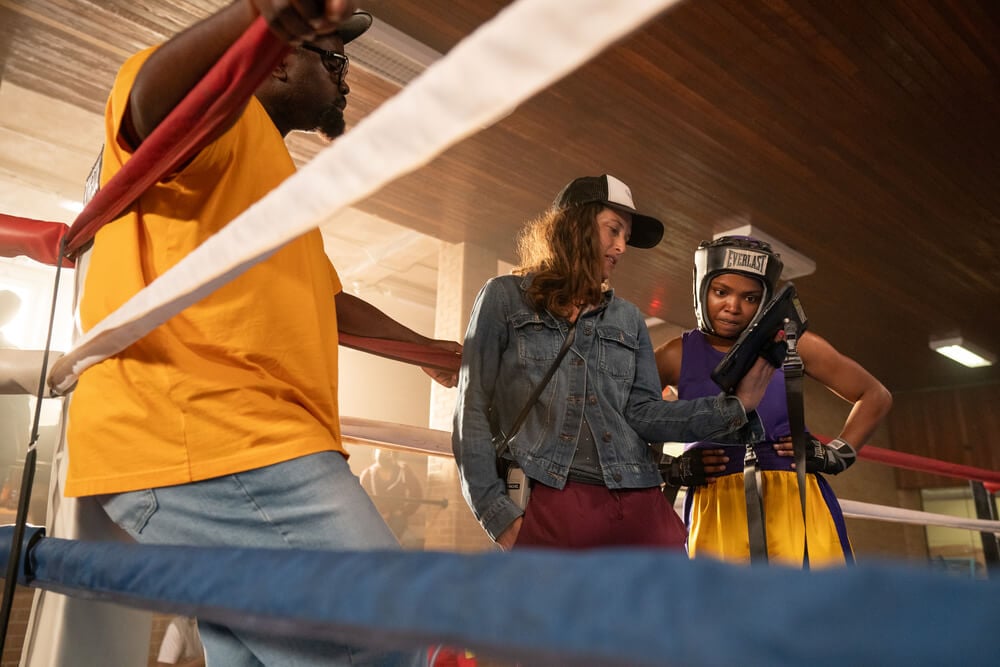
{"x":699,"y":359}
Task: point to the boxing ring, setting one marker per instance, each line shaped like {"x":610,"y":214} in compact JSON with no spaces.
{"x":607,"y":607}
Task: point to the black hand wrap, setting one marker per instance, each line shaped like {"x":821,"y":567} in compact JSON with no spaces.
{"x":831,"y":459}
{"x":688,"y":469}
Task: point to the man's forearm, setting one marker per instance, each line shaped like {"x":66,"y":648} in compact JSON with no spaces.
{"x":359,"y":318}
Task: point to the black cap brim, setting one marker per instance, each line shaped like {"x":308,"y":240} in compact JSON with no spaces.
{"x":647,"y":232}
{"x":355,"y":26}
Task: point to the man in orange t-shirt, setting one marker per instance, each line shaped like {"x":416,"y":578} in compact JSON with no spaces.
{"x":221,"y":426}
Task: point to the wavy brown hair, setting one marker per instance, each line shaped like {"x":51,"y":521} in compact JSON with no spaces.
{"x":562,"y":248}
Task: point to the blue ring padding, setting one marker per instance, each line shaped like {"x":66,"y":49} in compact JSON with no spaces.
{"x":606,"y":607}
{"x":30,"y":536}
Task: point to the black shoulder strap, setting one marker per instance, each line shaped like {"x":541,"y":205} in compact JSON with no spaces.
{"x":794,"y":371}
{"x":504,"y":443}
{"x":756,"y":526}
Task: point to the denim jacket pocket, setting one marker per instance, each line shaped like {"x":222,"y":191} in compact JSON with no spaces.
{"x":617,"y":350}
{"x":537,"y":339}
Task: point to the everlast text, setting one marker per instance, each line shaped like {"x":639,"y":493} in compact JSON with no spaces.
{"x":742,"y":260}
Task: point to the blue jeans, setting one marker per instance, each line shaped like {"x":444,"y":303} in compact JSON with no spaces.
{"x":313,"y":502}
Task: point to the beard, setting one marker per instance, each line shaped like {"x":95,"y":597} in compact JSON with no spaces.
{"x":331,"y":123}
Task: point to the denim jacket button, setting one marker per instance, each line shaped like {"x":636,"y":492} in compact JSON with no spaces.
{"x":606,"y":437}
{"x":617,"y":477}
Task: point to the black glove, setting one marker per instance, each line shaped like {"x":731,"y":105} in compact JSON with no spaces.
{"x":688,"y":469}
{"x":832,"y":459}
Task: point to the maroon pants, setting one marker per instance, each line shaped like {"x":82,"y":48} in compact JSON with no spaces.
{"x":586,"y":516}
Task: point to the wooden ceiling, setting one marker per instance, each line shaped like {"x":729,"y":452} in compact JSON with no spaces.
{"x":862,"y":134}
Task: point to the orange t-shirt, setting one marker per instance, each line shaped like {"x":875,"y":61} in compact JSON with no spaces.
{"x":243,"y":379}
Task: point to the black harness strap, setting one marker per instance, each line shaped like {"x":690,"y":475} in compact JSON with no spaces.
{"x":794,"y":371}
{"x":756,"y":526}
{"x":756,"y":531}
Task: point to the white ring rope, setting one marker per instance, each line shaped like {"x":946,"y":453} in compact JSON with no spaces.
{"x":396,"y":436}
{"x":438,"y":443}
{"x":859,"y":510}
{"x":20,"y":370}
{"x":524,"y":49}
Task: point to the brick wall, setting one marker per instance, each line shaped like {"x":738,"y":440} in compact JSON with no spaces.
{"x":160,"y":623}
{"x":454,"y":528}
{"x":17,"y":627}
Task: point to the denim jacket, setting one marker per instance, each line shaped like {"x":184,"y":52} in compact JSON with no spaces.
{"x":609,"y":374}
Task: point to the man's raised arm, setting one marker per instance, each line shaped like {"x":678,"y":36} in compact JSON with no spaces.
{"x":180,"y":63}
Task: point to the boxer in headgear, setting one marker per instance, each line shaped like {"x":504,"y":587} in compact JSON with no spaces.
{"x":741,"y":255}
{"x":733,"y":277}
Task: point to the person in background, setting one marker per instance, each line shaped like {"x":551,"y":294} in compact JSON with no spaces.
{"x":10,"y":306}
{"x":234,"y":438}
{"x":15,"y":415}
{"x":584,"y":446}
{"x":394,"y":488}
{"x":733,"y":277}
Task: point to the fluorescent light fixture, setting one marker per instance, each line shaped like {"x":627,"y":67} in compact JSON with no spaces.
{"x":964,"y":353}
{"x":391,"y":54}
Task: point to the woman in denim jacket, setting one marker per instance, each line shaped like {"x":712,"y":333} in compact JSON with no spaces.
{"x":584,"y":443}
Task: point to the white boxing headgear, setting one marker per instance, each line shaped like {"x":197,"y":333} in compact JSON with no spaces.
{"x":733,"y":254}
